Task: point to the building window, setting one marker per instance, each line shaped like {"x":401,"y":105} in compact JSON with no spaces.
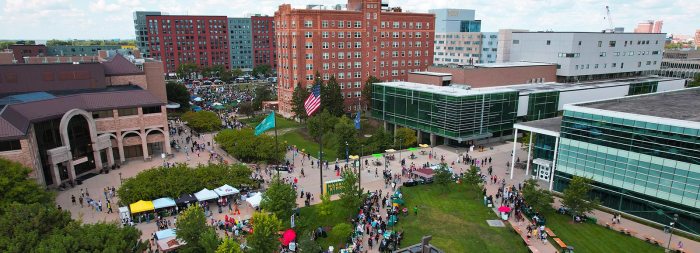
{"x":151,"y":109}
{"x":549,"y":42}
{"x":612,"y":43}
{"x":103,"y":114}
{"x":128,"y":111}
{"x":515,"y":42}
{"x":10,"y":145}
{"x":308,"y":23}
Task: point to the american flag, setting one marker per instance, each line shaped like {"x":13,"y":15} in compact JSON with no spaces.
{"x":313,"y":102}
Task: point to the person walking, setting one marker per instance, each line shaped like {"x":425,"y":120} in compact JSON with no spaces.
{"x":72,"y":199}
{"x":109,"y":207}
{"x":80,"y":199}
{"x":415,"y":210}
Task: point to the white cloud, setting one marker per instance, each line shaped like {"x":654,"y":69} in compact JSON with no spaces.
{"x":106,"y":19}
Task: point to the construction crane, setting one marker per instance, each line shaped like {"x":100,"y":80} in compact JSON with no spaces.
{"x":608,"y":16}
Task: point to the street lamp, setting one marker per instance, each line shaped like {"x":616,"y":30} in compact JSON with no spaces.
{"x":347,"y":155}
{"x":120,"y":178}
{"x":670,"y":231}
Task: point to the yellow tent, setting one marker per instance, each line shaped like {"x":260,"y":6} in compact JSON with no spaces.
{"x":141,"y":206}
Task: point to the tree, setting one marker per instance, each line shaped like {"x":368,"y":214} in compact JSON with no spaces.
{"x":202,"y":121}
{"x":99,"y":237}
{"x":245,"y":146}
{"x":262,"y":70}
{"x":322,"y":122}
{"x":367,"y":91}
{"x":23,"y":226}
{"x":405,"y":137}
{"x":539,"y":199}
{"x":576,"y":197}
{"x":209,"y":240}
{"x":298,"y":97}
{"x":17,"y":188}
{"x":229,"y":245}
{"x":246,"y":108}
{"x":346,"y":137}
{"x":191,"y":224}
{"x":178,"y":93}
{"x":696,"y":80}
{"x":187,"y":70}
{"x":308,"y":245}
{"x":381,"y":140}
{"x":350,"y":193}
{"x":279,"y":199}
{"x":265,"y":233}
{"x":331,"y":99}
{"x":472,"y":178}
{"x":262,"y":93}
{"x":324,"y":209}
{"x":340,"y":232}
{"x":442,"y":175}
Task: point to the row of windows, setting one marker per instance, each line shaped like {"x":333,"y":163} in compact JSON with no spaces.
{"x":126,"y":112}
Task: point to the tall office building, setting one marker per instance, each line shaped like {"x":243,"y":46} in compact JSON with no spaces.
{"x":585,"y":56}
{"x":142,"y":30}
{"x":178,"y":39}
{"x":489,"y":47}
{"x":241,"y":43}
{"x":263,"y":33}
{"x":458,"y":37}
{"x":366,"y":39}
{"x":649,"y":26}
{"x":455,"y":20}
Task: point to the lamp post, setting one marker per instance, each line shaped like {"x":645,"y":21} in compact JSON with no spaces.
{"x":362,"y":153}
{"x":400,"y":147}
{"x":120,"y":178}
{"x":670,"y":231}
{"x":165,"y":163}
{"x":347,"y":154}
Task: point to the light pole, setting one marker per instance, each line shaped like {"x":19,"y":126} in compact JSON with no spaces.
{"x":347,"y":155}
{"x":165,"y":164}
{"x":670,"y":231}
{"x":362,"y":153}
{"x":120,"y":178}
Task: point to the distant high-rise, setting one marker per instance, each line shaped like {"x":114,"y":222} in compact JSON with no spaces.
{"x":142,"y":30}
{"x":455,"y":20}
{"x":458,"y":37}
{"x":263,"y":32}
{"x":649,"y":26}
{"x":240,"y":40}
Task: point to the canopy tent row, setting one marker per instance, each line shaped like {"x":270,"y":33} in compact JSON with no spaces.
{"x":141,"y":206}
{"x":185,"y":199}
{"x":255,"y":200}
{"x":226,"y":190}
{"x":205,"y":194}
{"x":163,"y":203}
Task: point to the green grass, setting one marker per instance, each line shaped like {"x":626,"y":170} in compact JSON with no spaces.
{"x":303,"y":141}
{"x":311,"y":219}
{"x":586,"y":237}
{"x":282,"y":122}
{"x":456,"y":218}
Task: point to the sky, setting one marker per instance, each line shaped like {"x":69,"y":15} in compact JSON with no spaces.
{"x":113,"y":19}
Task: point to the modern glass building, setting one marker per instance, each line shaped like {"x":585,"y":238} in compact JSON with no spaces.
{"x":452,"y":113}
{"x":642,"y":153}
{"x":241,"y":48}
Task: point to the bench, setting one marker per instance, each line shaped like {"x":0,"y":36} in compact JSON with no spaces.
{"x":533,"y":249}
{"x":652,"y":240}
{"x":522,"y":235}
{"x":549,"y":232}
{"x":560,"y":243}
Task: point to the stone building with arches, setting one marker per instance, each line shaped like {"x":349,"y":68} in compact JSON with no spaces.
{"x":68,"y":120}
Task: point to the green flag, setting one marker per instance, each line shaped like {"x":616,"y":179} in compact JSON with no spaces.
{"x":266,"y":124}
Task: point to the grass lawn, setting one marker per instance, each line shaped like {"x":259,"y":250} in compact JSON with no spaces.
{"x":303,"y":141}
{"x":456,"y":218}
{"x":282,"y":122}
{"x":586,"y":237}
{"x":311,"y":219}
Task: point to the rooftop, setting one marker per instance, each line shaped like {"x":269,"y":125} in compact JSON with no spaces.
{"x":512,"y":64}
{"x":428,"y":73}
{"x":548,"y":126}
{"x":444,"y":90}
{"x":678,"y":104}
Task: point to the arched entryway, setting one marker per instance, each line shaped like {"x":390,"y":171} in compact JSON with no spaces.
{"x":131,"y":142}
{"x":155,"y":139}
{"x":80,"y":142}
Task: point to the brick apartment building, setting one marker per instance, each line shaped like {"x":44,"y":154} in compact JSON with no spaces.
{"x":177,"y":39}
{"x":263,"y":33}
{"x":21,"y":51}
{"x":366,"y":38}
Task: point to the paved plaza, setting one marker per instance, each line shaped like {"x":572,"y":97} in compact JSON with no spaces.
{"x":499,"y":153}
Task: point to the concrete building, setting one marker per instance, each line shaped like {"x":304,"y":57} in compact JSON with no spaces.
{"x":640,"y":151}
{"x":487,"y":75}
{"x":455,"y":20}
{"x":178,"y":39}
{"x":458,"y":48}
{"x":649,"y":26}
{"x":455,"y":115}
{"x":680,"y":63}
{"x":583,"y":56}
{"x":78,"y":50}
{"x":489,"y":47}
{"x":366,"y":39}
{"x":241,"y":43}
{"x":505,"y":39}
{"x":68,"y":120}
{"x":141,"y":30}
{"x":263,"y":33}
{"x":21,"y":51}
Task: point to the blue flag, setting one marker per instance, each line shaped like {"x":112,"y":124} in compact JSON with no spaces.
{"x":267,"y":124}
{"x":357,"y":120}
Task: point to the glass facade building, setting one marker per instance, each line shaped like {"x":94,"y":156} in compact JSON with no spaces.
{"x":470,"y":26}
{"x":642,"y":165}
{"x":543,"y":105}
{"x":453,"y":113}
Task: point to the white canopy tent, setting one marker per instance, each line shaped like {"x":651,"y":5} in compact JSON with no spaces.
{"x":255,"y":200}
{"x":205,"y":194}
{"x":226,"y":190}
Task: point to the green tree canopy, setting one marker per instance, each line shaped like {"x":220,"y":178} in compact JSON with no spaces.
{"x":319,"y":123}
{"x":175,"y":180}
{"x":367,"y":91}
{"x":299,"y":95}
{"x":331,"y":99}
{"x":405,"y":137}
{"x":576,"y":196}
{"x":351,"y":194}
{"x":187,"y":70}
{"x":191,"y":224}
{"x":202,"y":121}
{"x":178,"y":93}
{"x":245,"y":146}
{"x":262,"y":93}
{"x":442,"y":175}
{"x":345,"y":133}
{"x":99,"y":237}
{"x":279,"y":199}
{"x":472,"y":178}
{"x":23,"y":226}
{"x":265,"y":237}
{"x":540,"y":199}
{"x":17,"y":188}
{"x":229,"y":245}
{"x":264,"y":70}
{"x":696,"y":81}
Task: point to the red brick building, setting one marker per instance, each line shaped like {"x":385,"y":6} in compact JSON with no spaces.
{"x":175,"y":40}
{"x":263,"y":33}
{"x":21,"y":51}
{"x":366,"y":39}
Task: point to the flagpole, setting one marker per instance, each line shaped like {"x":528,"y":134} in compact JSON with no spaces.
{"x":320,"y":159}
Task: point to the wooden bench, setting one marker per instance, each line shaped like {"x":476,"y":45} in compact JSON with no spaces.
{"x":549,"y":232}
{"x":560,"y":243}
{"x":675,"y":249}
{"x":522,"y":235}
{"x":652,"y":240}
{"x":533,"y":249}
{"x":628,"y":232}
